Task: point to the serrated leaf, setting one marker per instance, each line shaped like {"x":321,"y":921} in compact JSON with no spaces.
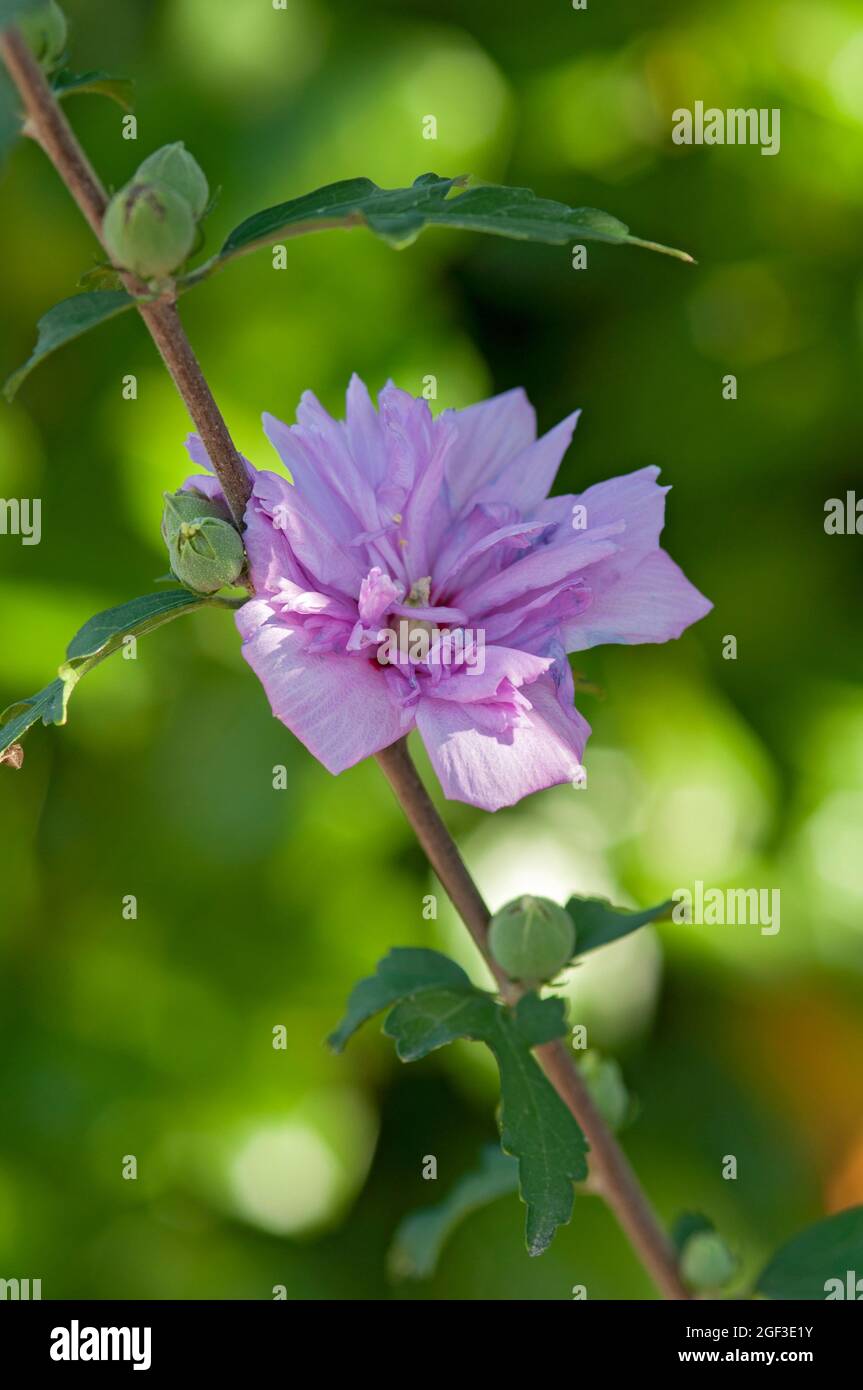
{"x":49,"y":706}
{"x":420,"y":1238}
{"x":119,"y":89}
{"x":535,"y":1125}
{"x":398,"y":215}
{"x":598,"y":922}
{"x":98,"y":639}
{"x":828,"y":1250}
{"x":65,"y":321}
{"x":405,"y":971}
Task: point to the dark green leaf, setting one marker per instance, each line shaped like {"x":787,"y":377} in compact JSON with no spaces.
{"x":418,"y":1242}
{"x":65,"y":321}
{"x":597,"y":922}
{"x":138,"y":616}
{"x":540,"y":1020}
{"x":119,"y":89}
{"x":49,"y":706}
{"x":406,"y":971}
{"x":91,"y":645}
{"x":536,"y":1127}
{"x":826,"y":1251}
{"x":400,"y":214}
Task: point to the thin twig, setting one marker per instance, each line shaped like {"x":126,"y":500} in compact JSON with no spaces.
{"x":48,"y":125}
{"x":611,"y":1171}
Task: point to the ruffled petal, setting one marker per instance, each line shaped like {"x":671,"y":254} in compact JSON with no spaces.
{"x":339,"y":706}
{"x":491,"y":771}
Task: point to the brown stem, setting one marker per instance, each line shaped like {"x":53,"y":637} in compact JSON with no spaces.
{"x":47,"y":123}
{"x":611,"y":1171}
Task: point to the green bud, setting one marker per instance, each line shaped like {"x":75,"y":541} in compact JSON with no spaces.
{"x":174,"y":166}
{"x":44,"y":31}
{"x":607,"y":1088}
{"x":148,"y":229}
{"x":531,"y":938}
{"x":188,"y":506}
{"x":207,"y":554}
{"x":706,"y":1262}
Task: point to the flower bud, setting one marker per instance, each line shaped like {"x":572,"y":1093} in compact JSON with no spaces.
{"x":188,"y":506}
{"x":607,"y":1088}
{"x":531,"y":938}
{"x":148,"y":229}
{"x":207,"y":554}
{"x":174,"y":166}
{"x":44,"y":31}
{"x":706,"y":1262}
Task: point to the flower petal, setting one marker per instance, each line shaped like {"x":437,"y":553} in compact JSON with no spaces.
{"x":491,"y":772}
{"x":526,"y":480}
{"x":490,"y":433}
{"x":652,"y":603}
{"x":339,"y":706}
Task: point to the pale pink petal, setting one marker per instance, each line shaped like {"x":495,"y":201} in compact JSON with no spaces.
{"x":492,"y":772}
{"x":526,"y":479}
{"x":339,"y":706}
{"x":652,"y":603}
{"x":490,"y":433}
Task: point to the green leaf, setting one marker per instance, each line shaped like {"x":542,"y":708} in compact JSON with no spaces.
{"x":406,"y":971}
{"x":92,"y":644}
{"x":49,"y":706}
{"x":119,"y":89}
{"x":829,"y":1250}
{"x":139,"y":616}
{"x":65,"y":321}
{"x":420,"y":1238}
{"x":398,"y":215}
{"x":540,"y":1020}
{"x":535,"y":1125}
{"x":435,"y":1003}
{"x":598,"y":922}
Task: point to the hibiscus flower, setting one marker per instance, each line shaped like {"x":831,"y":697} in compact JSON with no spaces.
{"x":414,"y":573}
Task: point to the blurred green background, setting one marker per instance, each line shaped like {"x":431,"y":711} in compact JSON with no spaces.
{"x":256,"y":908}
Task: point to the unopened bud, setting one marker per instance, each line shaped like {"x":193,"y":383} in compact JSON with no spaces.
{"x":188,"y":506}
{"x":706,"y":1262}
{"x":173,"y":166}
{"x":148,"y":229}
{"x":44,"y":31}
{"x":207,"y":554}
{"x":531,"y":938}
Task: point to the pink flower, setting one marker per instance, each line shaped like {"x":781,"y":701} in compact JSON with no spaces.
{"x":415,"y":574}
